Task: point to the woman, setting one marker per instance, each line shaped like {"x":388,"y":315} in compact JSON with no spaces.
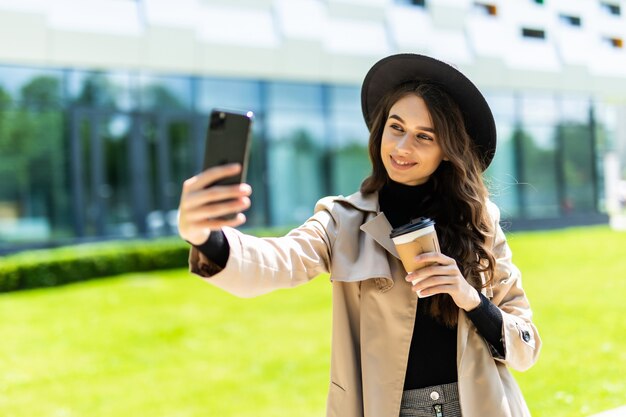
{"x":435,"y":342}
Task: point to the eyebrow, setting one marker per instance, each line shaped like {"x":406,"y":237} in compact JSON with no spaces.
{"x":427,"y":129}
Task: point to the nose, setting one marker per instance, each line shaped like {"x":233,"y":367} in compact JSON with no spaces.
{"x":404,"y":145}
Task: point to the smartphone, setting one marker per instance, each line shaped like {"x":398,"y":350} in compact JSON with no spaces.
{"x":228,"y":141}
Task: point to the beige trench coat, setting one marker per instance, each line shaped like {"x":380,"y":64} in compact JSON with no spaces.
{"x":374,"y":308}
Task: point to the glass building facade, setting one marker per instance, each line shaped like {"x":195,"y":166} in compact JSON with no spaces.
{"x":88,"y":155}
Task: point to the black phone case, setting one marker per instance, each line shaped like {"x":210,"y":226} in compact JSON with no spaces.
{"x":228,"y":141}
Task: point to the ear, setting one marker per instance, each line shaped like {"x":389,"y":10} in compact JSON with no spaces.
{"x":445,"y":158}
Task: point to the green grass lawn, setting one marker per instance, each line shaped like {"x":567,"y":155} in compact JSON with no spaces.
{"x":168,"y":344}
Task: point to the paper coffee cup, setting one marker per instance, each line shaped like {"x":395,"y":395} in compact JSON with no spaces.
{"x":417,"y":237}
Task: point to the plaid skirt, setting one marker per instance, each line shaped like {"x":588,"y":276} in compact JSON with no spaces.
{"x":435,"y":401}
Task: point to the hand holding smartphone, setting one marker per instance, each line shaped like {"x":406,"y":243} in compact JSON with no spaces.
{"x":228,"y":141}
{"x":215,"y":198}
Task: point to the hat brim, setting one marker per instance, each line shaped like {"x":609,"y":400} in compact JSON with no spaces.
{"x":395,"y":70}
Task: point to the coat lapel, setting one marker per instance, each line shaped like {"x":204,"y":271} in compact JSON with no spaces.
{"x":378,"y":228}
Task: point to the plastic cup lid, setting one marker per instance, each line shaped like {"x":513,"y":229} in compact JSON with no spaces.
{"x":415,"y":224}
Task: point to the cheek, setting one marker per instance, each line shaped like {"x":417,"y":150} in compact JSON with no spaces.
{"x":384,"y":145}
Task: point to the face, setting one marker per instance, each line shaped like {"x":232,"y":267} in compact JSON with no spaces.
{"x":409,"y":148}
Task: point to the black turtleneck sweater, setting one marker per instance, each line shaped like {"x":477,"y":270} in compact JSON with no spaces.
{"x":432,"y":357}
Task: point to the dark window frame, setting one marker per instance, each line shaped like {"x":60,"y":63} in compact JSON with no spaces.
{"x":533,"y":33}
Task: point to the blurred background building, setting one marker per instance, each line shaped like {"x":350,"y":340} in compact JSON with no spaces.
{"x":104,"y":103}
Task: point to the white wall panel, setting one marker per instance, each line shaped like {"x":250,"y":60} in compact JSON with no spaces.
{"x":161,"y":13}
{"x":352,"y":37}
{"x":233,"y":26}
{"x":24,"y":37}
{"x":331,"y":40}
{"x":114,"y":17}
{"x":302,"y":19}
{"x":95,"y":50}
{"x":411,"y":28}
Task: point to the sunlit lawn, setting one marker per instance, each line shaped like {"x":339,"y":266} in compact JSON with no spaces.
{"x":167,"y":344}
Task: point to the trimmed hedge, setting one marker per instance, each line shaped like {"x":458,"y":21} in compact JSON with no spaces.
{"x":52,"y":267}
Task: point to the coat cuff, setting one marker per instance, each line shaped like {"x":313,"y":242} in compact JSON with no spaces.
{"x":487,"y":318}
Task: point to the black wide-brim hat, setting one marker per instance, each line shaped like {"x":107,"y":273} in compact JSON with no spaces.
{"x":395,"y":70}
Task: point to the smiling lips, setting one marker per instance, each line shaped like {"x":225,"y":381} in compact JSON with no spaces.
{"x":401,"y":165}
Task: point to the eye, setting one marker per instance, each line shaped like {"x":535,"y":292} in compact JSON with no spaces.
{"x":423,"y":136}
{"x":396,"y":127}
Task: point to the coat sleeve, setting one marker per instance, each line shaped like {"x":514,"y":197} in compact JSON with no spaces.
{"x":257,"y":266}
{"x":521,"y":338}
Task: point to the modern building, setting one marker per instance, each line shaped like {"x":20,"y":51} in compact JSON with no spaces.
{"x":104,"y":104}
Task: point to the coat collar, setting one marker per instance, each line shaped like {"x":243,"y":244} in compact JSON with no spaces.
{"x":377,"y":226}
{"x":363,"y":202}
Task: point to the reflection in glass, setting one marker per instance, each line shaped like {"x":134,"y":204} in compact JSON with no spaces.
{"x":102,"y":90}
{"x":539,"y":109}
{"x":297,"y":167}
{"x":171,"y":93}
{"x":15,"y":83}
{"x":501,"y":176}
{"x":349,"y":157}
{"x":578,"y":165}
{"x":228,"y":94}
{"x":285,"y":96}
{"x":539,"y":170}
{"x":34,"y":204}
{"x":83,"y":162}
{"x":169,"y":149}
{"x":295,"y":175}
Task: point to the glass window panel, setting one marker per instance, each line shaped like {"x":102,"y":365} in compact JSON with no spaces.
{"x":115,"y":192}
{"x":229,"y":94}
{"x":284,"y":96}
{"x":169,"y":151}
{"x":350,"y":163}
{"x":168,"y":93}
{"x":34,"y":204}
{"x":102,"y":89}
{"x":501,"y":177}
{"x":539,"y":109}
{"x":44,"y":86}
{"x":502,"y":105}
{"x":607,"y":123}
{"x":105,"y":178}
{"x":257,"y":214}
{"x":345,"y":98}
{"x":297,"y":150}
{"x":539,"y":167}
{"x":575,"y":110}
{"x":296,"y":155}
{"x":349,"y":167}
{"x":578,"y":154}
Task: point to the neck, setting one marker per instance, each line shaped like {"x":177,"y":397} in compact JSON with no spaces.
{"x":401,"y":202}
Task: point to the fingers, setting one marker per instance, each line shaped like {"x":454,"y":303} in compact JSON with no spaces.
{"x":215,"y":194}
{"x":441,"y":276}
{"x":435,"y":285}
{"x":218,"y":209}
{"x":215,"y":224}
{"x":436,"y":257}
{"x":210,"y":176}
{"x":432,"y":270}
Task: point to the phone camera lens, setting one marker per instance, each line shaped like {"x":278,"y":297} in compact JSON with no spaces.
{"x":218,"y":120}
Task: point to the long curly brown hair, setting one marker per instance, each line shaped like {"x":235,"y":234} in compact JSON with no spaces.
{"x":458,"y":200}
